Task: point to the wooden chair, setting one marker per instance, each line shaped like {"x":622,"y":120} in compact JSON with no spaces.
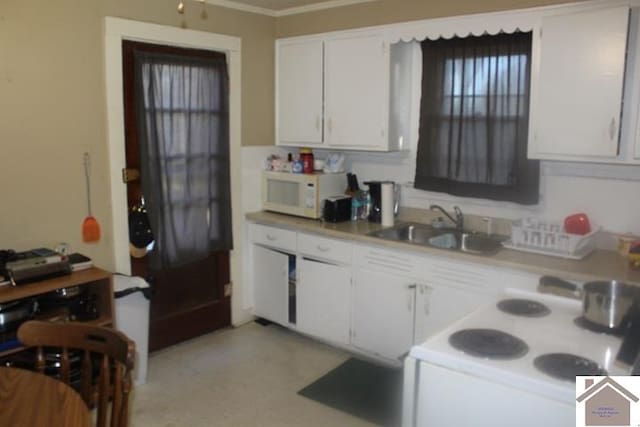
{"x":112,"y":347}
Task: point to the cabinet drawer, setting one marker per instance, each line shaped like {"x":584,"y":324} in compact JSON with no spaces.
{"x":323,"y":248}
{"x":274,"y":237}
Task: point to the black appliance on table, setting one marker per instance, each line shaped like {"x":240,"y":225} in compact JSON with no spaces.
{"x":375,"y":191}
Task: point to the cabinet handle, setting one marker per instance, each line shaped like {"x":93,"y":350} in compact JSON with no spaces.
{"x":426,"y":290}
{"x":329,"y":124}
{"x":411,"y":295}
{"x":612,"y":128}
{"x":323,"y":248}
{"x":270,"y":237}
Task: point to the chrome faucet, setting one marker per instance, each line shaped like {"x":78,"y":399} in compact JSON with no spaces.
{"x":458,"y":220}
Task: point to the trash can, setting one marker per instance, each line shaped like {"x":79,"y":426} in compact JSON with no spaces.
{"x":132,"y":318}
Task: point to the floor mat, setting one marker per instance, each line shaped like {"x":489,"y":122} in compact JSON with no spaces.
{"x":362,"y":389}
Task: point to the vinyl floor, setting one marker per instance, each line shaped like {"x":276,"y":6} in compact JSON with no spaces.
{"x":241,"y":377}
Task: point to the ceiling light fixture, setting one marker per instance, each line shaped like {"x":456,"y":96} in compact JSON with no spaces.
{"x":181,"y":5}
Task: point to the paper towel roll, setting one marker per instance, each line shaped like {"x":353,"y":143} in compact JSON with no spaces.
{"x":387,"y":203}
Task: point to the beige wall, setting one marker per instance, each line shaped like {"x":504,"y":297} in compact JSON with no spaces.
{"x":392,"y":11}
{"x":52,"y":108}
{"x":52,"y":96}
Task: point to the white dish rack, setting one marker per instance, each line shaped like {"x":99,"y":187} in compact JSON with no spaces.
{"x":548,"y":238}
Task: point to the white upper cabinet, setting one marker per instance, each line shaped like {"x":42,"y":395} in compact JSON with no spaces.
{"x":333,"y":92}
{"x":299,"y":71}
{"x":632,"y":108}
{"x":357,"y":92}
{"x":576,"y":101}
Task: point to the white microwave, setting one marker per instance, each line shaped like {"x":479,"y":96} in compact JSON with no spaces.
{"x":300,"y":194}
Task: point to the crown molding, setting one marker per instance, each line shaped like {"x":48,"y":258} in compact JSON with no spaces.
{"x":284,"y":12}
{"x":242,"y":7}
{"x":320,"y":6}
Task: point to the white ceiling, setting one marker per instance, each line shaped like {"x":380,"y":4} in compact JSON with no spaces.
{"x":283,"y":7}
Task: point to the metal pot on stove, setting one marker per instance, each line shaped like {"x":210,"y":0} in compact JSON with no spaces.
{"x":604,"y":303}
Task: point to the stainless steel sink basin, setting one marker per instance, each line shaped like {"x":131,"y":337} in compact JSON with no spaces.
{"x":466,"y":242}
{"x":448,"y":238}
{"x":410,"y":233}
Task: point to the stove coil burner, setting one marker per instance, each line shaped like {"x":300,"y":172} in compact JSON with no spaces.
{"x":565,"y":366}
{"x":488,"y":343}
{"x":523,"y":307}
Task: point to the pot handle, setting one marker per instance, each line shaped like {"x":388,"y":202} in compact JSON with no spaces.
{"x":556,"y":286}
{"x":629,"y":352}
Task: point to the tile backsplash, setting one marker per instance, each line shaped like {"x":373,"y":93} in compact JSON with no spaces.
{"x":608,"y":194}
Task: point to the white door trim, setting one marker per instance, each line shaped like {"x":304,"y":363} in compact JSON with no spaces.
{"x":116,"y":30}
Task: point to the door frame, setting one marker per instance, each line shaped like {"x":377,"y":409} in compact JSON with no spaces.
{"x":116,"y":30}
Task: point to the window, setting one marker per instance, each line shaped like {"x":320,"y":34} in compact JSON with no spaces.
{"x":182,"y":131}
{"x":474,"y":115}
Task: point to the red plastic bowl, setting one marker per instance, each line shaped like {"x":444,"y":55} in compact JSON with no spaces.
{"x":577,"y":224}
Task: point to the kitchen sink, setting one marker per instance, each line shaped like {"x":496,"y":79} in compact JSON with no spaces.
{"x":476,"y":243}
{"x":410,"y":233}
{"x":442,"y":238}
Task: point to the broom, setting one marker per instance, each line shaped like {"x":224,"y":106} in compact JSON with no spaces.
{"x":90,"y":226}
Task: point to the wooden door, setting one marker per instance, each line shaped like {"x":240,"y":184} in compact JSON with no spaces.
{"x":190,"y":300}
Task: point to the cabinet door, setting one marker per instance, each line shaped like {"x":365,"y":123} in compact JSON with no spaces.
{"x":299,"y":92}
{"x":323,"y":300}
{"x":271,"y":272}
{"x":357,"y":92}
{"x":439,"y":306}
{"x":577,"y":100}
{"x":453,"y":289}
{"x":383,"y":309}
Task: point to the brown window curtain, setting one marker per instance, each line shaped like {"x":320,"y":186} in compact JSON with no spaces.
{"x":474,"y":117}
{"x":183,"y":124}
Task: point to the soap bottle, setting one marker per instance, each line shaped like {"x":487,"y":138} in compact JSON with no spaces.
{"x":356,"y":205}
{"x":365,"y":208}
{"x":296,"y":167}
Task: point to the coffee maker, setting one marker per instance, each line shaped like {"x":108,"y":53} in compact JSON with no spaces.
{"x":375,"y":192}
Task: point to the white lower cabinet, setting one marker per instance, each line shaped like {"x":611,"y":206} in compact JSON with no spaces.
{"x":323,"y":300}
{"x":439,"y":306}
{"x":449,"y":292}
{"x":372,"y":300}
{"x":383,"y":313}
{"x":271,"y":284}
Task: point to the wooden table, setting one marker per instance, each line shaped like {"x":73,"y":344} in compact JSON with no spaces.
{"x":30,"y":399}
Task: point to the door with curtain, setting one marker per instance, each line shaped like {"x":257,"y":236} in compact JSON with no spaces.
{"x":178,"y":186}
